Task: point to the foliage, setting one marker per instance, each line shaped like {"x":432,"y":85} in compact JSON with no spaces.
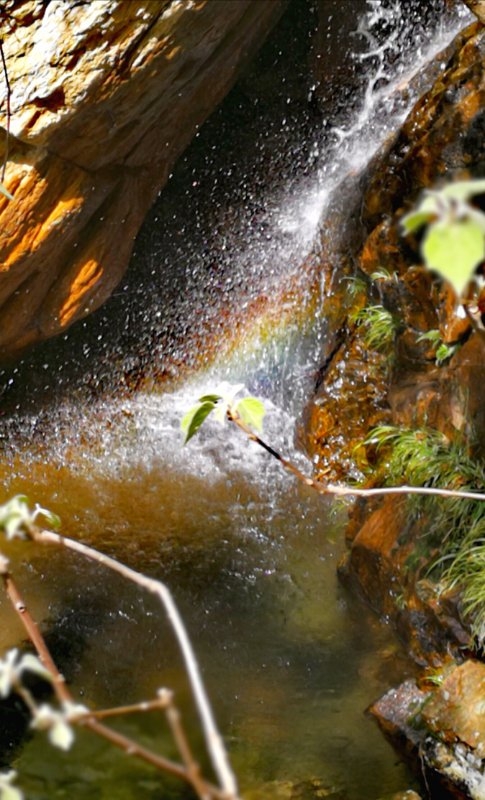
{"x":249,"y":409}
{"x":443,"y":350}
{"x":454,"y":246}
{"x":383,"y":274}
{"x":425,"y":457}
{"x":379,"y":326}
{"x":17,"y":520}
{"x":357,"y":285}
{"x":454,"y":528}
{"x":454,"y":241}
{"x":410,"y":456}
{"x":58,"y":720}
{"x":466,"y":571}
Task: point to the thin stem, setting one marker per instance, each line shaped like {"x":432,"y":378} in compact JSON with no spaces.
{"x":348,"y":491}
{"x":129,"y":746}
{"x":213,"y":739}
{"x":119,"y":711}
{"x":178,"y":733}
{"x":35,"y":636}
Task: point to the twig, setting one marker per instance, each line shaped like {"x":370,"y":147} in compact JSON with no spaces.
{"x":129,"y":746}
{"x":347,"y":491}
{"x":178,"y":733}
{"x":165,"y":702}
{"x":134,"y":708}
{"x":35,"y":636}
{"x":213,"y":739}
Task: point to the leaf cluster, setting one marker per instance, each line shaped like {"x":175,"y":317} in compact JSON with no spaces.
{"x":17,"y":519}
{"x":443,"y":350}
{"x":249,"y":409}
{"x":454,"y":241}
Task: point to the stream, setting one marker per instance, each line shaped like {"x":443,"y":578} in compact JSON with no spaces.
{"x":91,"y":430}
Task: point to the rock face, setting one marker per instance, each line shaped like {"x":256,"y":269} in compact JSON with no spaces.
{"x":441,"y":724}
{"x":104,"y":98}
{"x":404,"y":385}
{"x":392,"y":375}
{"x":441,"y":140}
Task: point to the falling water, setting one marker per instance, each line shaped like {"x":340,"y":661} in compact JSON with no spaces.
{"x":290,"y":660}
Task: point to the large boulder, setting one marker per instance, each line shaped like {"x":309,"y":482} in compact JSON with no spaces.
{"x":104,"y":96}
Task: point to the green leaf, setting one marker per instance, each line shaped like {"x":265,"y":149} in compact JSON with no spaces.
{"x":5,"y":192}
{"x":194,"y":418}
{"x":210,"y":398}
{"x":444,"y":352}
{"x":463,"y":190}
{"x":454,"y":249}
{"x":433,"y":336}
{"x":52,"y":519}
{"x":251,"y":410}
{"x":422,"y":214}
{"x":476,"y":216}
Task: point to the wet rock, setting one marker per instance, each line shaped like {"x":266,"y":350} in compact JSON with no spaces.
{"x":478,"y":8}
{"x":383,"y":565}
{"x":440,"y":139}
{"x":352,"y":396}
{"x":441,"y":725}
{"x":363,"y":386}
{"x":104,"y":98}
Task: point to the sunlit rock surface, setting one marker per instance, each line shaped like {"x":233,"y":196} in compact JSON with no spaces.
{"x":441,"y":723}
{"x":104,"y":97}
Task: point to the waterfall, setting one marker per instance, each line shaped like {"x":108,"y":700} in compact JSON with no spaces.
{"x":205,"y":295}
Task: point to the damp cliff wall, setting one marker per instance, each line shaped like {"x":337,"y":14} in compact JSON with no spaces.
{"x":102,"y":98}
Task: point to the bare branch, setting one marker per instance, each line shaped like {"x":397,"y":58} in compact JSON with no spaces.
{"x":178,"y":733}
{"x":129,"y":746}
{"x":213,"y":738}
{"x":348,"y":491}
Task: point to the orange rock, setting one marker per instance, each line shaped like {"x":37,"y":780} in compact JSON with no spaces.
{"x":456,"y":709}
{"x":104,"y":98}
